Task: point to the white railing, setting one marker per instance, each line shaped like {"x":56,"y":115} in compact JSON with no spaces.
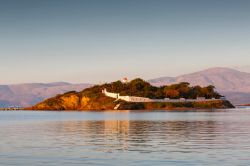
{"x":144,"y":99}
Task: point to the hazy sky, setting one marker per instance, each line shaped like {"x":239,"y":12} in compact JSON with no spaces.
{"x":104,"y":40}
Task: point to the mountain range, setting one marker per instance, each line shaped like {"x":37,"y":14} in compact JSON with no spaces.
{"x":31,"y":93}
{"x":234,"y":84}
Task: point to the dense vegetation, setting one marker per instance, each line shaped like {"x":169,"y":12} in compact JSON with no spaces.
{"x":93,"y":99}
{"x":139,"y":87}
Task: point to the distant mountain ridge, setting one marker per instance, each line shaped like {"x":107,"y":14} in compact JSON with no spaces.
{"x":235,"y":85}
{"x":31,"y":93}
{"x":230,"y":82}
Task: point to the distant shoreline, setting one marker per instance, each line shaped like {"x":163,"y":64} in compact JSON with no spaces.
{"x":247,"y":105}
{"x":11,"y":109}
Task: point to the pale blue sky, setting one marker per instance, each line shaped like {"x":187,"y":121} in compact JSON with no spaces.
{"x":104,"y":40}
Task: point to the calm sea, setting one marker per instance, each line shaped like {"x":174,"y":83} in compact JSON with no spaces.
{"x":125,"y":138}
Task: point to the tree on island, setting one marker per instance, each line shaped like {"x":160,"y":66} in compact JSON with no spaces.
{"x":141,"y":88}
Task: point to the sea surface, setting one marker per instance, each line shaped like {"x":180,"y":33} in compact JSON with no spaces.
{"x":51,"y":138}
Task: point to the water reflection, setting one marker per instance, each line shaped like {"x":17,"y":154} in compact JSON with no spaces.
{"x":115,"y":135}
{"x":200,"y":141}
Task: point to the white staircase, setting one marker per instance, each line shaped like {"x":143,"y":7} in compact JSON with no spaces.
{"x":117,"y":106}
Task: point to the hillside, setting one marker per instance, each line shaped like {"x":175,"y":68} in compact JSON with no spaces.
{"x":93,"y":98}
{"x":235,"y":85}
{"x":31,"y":93}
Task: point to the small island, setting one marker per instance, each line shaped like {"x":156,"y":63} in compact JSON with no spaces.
{"x":137,"y":95}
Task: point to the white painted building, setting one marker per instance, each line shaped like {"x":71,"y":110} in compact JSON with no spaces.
{"x":125,"y":80}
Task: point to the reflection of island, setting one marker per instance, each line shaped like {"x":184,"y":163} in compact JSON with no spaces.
{"x":125,"y":135}
{"x":128,"y":135}
{"x":116,"y":127}
{"x":116,"y":131}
